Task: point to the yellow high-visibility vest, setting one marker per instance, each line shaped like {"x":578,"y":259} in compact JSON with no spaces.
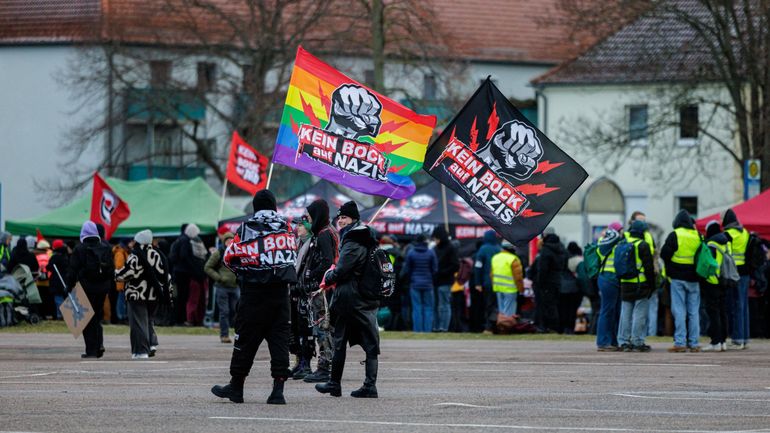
{"x":641,"y":277}
{"x":739,"y":244}
{"x":688,"y":242}
{"x":502,"y":274}
{"x":647,"y":238}
{"x":609,"y":263}
{"x":720,"y":257}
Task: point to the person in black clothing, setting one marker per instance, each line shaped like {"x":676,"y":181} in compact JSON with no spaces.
{"x":91,"y":265}
{"x":181,"y":277}
{"x":321,"y":255}
{"x":448,"y":263}
{"x":263,"y":308}
{"x":353,"y":316}
{"x":57,"y":268}
{"x":714,"y":294}
{"x":551,"y":263}
{"x":21,"y":255}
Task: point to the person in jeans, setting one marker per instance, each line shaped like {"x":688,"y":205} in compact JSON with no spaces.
{"x":609,"y":291}
{"x":635,"y":293}
{"x":714,"y":293}
{"x":225,"y":287}
{"x":448,"y":263}
{"x":421,"y":266}
{"x":738,"y":298}
{"x":507,"y":280}
{"x":678,"y":254}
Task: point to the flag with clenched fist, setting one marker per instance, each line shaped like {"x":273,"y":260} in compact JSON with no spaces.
{"x":336,"y":128}
{"x":507,"y":170}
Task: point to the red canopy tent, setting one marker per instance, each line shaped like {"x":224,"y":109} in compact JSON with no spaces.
{"x":753,"y":214}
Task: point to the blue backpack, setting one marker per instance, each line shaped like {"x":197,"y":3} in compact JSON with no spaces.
{"x":625,"y":261}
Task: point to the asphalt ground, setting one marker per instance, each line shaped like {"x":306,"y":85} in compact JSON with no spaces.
{"x":424,"y":385}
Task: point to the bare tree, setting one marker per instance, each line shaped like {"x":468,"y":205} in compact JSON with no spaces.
{"x":242,"y":51}
{"x":713,"y":53}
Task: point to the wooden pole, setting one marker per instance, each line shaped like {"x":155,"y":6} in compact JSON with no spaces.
{"x":446,"y":211}
{"x":222,"y":202}
{"x":378,"y":210}
{"x":269,"y":176}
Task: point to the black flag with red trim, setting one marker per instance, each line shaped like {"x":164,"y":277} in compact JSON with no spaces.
{"x":508,"y":171}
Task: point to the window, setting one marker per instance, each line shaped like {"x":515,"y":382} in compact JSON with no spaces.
{"x":160,"y":73}
{"x":689,"y":203}
{"x":637,"y":124}
{"x":207,"y":76}
{"x":688,"y":124}
{"x":369,"y":77}
{"x":429,"y":87}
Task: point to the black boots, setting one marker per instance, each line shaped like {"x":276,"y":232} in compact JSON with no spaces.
{"x":303,"y":369}
{"x":321,"y":375}
{"x":369,"y":390}
{"x":232,"y":391}
{"x":330,"y":387}
{"x":276,"y":397}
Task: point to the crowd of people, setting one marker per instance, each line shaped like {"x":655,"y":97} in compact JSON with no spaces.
{"x":300,"y":286}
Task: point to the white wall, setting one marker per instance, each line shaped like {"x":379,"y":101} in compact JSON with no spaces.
{"x":33,"y":121}
{"x":715,"y":180}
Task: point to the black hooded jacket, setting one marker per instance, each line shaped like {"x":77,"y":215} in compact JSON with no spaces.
{"x":678,"y":271}
{"x":20,"y":255}
{"x":551,"y":262}
{"x":730,"y":221}
{"x":448,"y":262}
{"x":351,"y":313}
{"x":713,"y":234}
{"x":324,"y":245}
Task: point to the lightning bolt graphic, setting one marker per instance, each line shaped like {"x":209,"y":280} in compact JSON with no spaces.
{"x":308,"y":110}
{"x":474,"y":135}
{"x":325,"y":101}
{"x":391,"y":126}
{"x":546,"y":166}
{"x":529,"y":213}
{"x":396,"y":168}
{"x":294,"y":126}
{"x":389,"y":146}
{"x":536,"y":189}
{"x":492,"y":121}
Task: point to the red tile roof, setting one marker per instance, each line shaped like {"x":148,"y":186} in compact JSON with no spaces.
{"x":480,"y":30}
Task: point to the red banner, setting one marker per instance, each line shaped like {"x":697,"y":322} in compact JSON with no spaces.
{"x":246,"y":167}
{"x":107,"y":208}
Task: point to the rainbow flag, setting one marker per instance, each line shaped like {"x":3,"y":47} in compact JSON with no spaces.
{"x":336,"y":128}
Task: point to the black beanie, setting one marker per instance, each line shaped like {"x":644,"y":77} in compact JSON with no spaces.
{"x":349,"y":209}
{"x":263,"y":200}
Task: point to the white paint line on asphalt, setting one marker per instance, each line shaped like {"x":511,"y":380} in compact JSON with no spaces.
{"x":132,"y":361}
{"x":425,"y":424}
{"x":619,"y":364}
{"x":443,"y":370}
{"x":100,"y":383}
{"x":3,"y":431}
{"x":449,"y":403}
{"x":657,"y":412}
{"x":691,"y":398}
{"x":29,"y":375}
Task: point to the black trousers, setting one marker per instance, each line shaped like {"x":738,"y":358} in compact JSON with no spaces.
{"x":568,"y":305}
{"x":714,"y":299}
{"x":547,"y":308}
{"x":458,"y":323}
{"x":262,"y":314}
{"x":93,"y":334}
{"x":182,"y":293}
{"x":490,"y":309}
{"x":301,"y":342}
{"x":477,"y":310}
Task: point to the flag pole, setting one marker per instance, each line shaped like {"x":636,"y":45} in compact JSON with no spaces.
{"x":222,"y":202}
{"x":378,"y":210}
{"x":446,"y":212}
{"x":269,"y":176}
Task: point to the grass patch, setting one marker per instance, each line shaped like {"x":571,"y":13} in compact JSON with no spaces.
{"x":59,"y":327}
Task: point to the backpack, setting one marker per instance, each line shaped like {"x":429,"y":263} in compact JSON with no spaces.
{"x":99,"y":265}
{"x":592,"y":262}
{"x":755,"y":255}
{"x":378,"y":280}
{"x":625,"y":261}
{"x":706,"y":265}
{"x":465,"y":271}
{"x":728,"y":272}
{"x":153,"y":278}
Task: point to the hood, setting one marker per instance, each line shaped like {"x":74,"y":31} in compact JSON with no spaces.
{"x":361,"y":234}
{"x":730,"y":220}
{"x":490,"y":237}
{"x":719,"y":238}
{"x":4,"y":236}
{"x":552,"y":243}
{"x":712,"y":229}
{"x":319,"y":213}
{"x":683,"y":220}
{"x":551,"y":239}
{"x":440,"y":233}
{"x":88,"y":230}
{"x":192,"y":231}
{"x":21,"y":244}
{"x":637,"y":229}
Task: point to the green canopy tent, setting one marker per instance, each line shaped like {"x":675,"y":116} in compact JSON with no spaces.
{"x":156,"y":204}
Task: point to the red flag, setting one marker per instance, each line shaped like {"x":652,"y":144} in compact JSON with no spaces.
{"x":246,"y":167}
{"x":39,"y":235}
{"x":107,"y":208}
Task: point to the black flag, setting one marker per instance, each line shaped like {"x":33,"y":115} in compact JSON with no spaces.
{"x":503,"y":166}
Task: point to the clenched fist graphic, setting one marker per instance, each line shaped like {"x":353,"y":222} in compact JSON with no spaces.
{"x":355,"y":112}
{"x":513,"y":151}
